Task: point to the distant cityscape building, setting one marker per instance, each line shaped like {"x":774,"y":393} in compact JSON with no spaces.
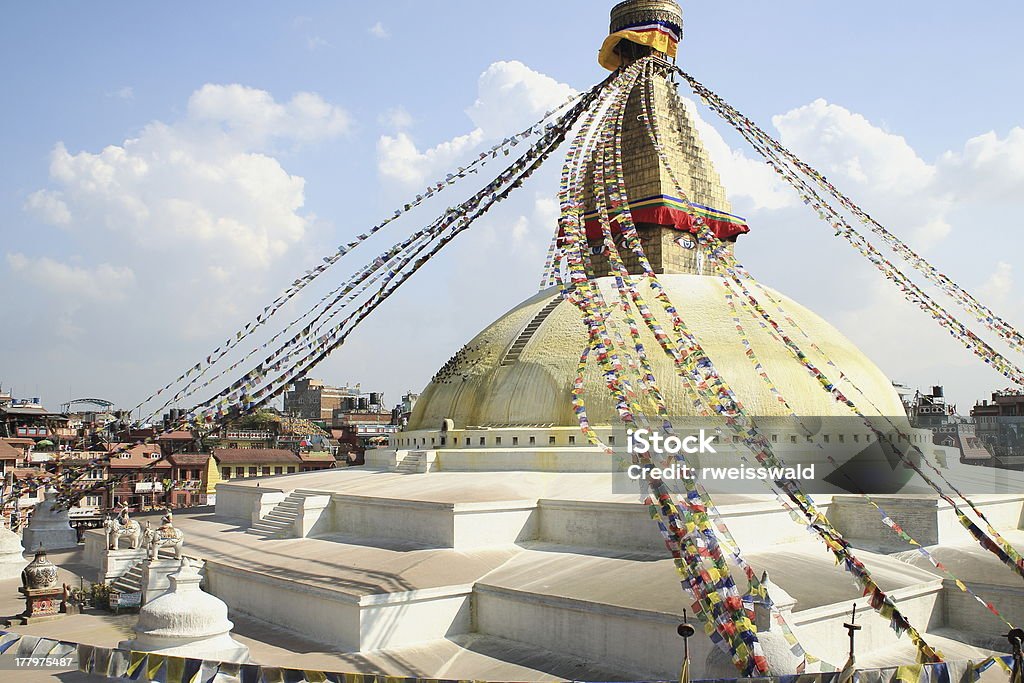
{"x":314,"y":400}
{"x":1000,"y":426}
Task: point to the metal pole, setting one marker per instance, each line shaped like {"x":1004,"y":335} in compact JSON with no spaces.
{"x":852,"y":628}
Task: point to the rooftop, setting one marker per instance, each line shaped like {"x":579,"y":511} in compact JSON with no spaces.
{"x":189,"y":458}
{"x":255,"y":455}
{"x":179,"y":435}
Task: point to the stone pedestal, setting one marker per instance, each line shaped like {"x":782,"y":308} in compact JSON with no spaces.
{"x":154,"y":577}
{"x":862,"y":525}
{"x":49,"y":526}
{"x":41,"y":604}
{"x":115,"y":563}
{"x":12,"y":561}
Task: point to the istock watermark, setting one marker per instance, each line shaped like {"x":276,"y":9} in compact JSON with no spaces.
{"x":646,"y":441}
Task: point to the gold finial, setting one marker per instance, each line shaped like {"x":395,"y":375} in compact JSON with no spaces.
{"x":639,"y":27}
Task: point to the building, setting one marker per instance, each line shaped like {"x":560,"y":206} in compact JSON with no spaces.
{"x":177,"y":441}
{"x":314,"y":400}
{"x":137,"y":476}
{"x":244,"y":463}
{"x":1000,"y":426}
{"x":190,"y":479}
{"x":248,"y":438}
{"x":401,"y":412}
{"x":362,"y":430}
{"x":28,"y":419}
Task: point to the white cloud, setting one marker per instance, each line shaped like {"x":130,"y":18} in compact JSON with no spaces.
{"x":182,"y":204}
{"x":254,"y":117}
{"x":999,"y":285}
{"x":746,"y":180}
{"x":510,"y":97}
{"x":853,"y":147}
{"x":988,"y":169}
{"x":314,"y":43}
{"x":396,"y":117}
{"x":399,"y":160}
{"x":102,"y":283}
{"x":378,"y":31}
{"x":48,"y":206}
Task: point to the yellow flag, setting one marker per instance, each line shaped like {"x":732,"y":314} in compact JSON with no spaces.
{"x":910,"y":673}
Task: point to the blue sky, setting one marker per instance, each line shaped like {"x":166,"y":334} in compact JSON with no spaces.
{"x":113,"y":296}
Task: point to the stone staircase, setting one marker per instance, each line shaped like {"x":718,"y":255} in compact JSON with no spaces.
{"x":279,"y":522}
{"x":130,"y":581}
{"x":512,"y":355}
{"x":413,"y":463}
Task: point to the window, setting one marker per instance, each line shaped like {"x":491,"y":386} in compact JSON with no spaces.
{"x":533,"y":440}
{"x":572,"y":440}
{"x":515,"y":440}
{"x":856,"y":438}
{"x":792,"y":439}
{"x":225,"y":472}
{"x":825,"y":438}
{"x":240,"y":471}
{"x":291,"y":470}
{"x":467,"y":440}
{"x":266,"y":470}
{"x":497,"y":441}
{"x":253,"y":471}
{"x":775,"y":438}
{"x":842,"y":438}
{"x":551,"y":440}
{"x":611,"y":440}
{"x":482,"y":440}
{"x":444,"y":440}
{"x":278,"y":470}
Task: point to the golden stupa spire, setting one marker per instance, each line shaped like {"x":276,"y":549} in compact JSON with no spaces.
{"x":663,"y":214}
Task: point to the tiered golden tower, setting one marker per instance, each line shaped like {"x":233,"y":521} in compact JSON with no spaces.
{"x":663,"y":217}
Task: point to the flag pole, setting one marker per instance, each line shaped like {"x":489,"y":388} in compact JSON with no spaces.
{"x":685,"y":630}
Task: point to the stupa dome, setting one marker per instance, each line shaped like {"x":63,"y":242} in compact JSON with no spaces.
{"x":185,"y":621}
{"x":185,"y":609}
{"x":520,"y":369}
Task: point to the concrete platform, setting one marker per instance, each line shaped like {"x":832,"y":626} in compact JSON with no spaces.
{"x":429,"y":572}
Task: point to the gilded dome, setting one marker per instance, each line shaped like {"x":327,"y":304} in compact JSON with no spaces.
{"x":520,"y":369}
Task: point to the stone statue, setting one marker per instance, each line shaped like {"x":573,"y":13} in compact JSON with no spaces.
{"x":164,"y":537}
{"x":121,"y":527}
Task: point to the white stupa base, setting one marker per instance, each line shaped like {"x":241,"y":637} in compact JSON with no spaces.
{"x":220,"y":648}
{"x":11,"y":559}
{"x":51,"y":539}
{"x":113,"y":564}
{"x":11,"y":565}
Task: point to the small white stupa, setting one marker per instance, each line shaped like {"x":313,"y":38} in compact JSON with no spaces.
{"x":186,"y":622}
{"x":49,"y":525}
{"x":11,"y":559}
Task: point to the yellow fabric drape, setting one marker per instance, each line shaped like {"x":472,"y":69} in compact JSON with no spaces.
{"x":658,"y":40}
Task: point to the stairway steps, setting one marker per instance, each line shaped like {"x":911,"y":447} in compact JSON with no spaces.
{"x":524,"y":337}
{"x":278,"y":522}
